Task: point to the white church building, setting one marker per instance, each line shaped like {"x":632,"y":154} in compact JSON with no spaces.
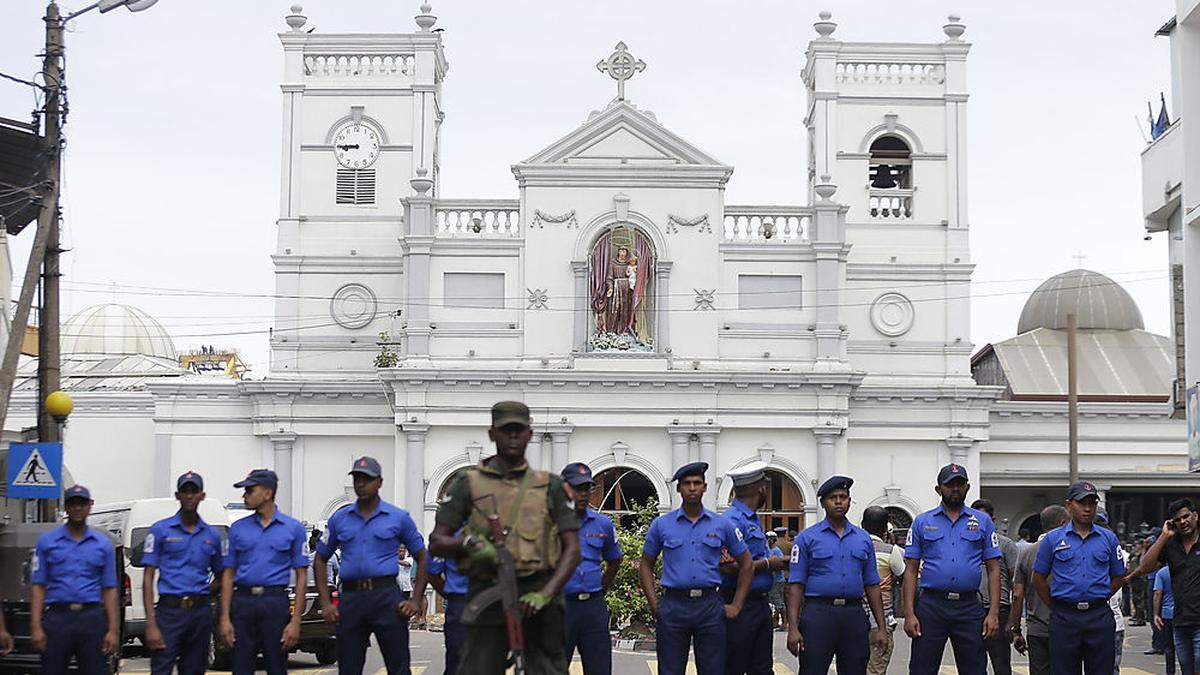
{"x":645,"y":321}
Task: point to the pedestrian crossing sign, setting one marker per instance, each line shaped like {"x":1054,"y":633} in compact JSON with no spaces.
{"x":34,"y":470}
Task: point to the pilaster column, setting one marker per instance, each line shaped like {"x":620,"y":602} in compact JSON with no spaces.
{"x":662,"y":306}
{"x":829,"y":245}
{"x":708,"y":454}
{"x":533,"y":451}
{"x":681,"y":438}
{"x":560,"y":445}
{"x":281,"y":446}
{"x":418,"y":242}
{"x":964,"y":451}
{"x":579,"y":269}
{"x":414,"y":471}
{"x":826,"y":452}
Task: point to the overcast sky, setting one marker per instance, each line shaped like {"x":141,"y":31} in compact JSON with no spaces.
{"x":172,"y":174}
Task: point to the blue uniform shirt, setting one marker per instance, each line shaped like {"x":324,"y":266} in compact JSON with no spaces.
{"x":265,"y":556}
{"x":74,"y":571}
{"x":1162,"y":582}
{"x":780,"y":576}
{"x":597,"y":542}
{"x":830,"y":566}
{"x":1079,"y":569}
{"x":183,"y":558}
{"x":756,"y":541}
{"x":692,"y":551}
{"x":369,"y":547}
{"x":456,"y":583}
{"x":953,"y":553}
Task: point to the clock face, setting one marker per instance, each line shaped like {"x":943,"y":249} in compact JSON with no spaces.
{"x":356,"y":146}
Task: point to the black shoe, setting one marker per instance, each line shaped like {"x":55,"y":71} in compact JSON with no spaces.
{"x":1152,"y":651}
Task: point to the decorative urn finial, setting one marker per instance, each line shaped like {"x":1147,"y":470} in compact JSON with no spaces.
{"x":825,"y":188}
{"x":825,"y":27}
{"x":425,"y":20}
{"x":422,"y":183}
{"x":955,"y":28}
{"x":296,"y":20}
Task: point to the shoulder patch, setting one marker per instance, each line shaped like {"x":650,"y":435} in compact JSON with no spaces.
{"x":148,"y":547}
{"x":908,"y":539}
{"x":35,"y":563}
{"x":738,"y":532}
{"x":795,"y":553}
{"x":995,"y":540}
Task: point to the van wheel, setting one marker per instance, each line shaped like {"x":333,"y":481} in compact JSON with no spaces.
{"x":326,"y":652}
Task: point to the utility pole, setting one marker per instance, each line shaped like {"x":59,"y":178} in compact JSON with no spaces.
{"x":1072,"y":402}
{"x":49,"y":345}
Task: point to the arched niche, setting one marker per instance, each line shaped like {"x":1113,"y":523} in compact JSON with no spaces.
{"x":641,"y":465}
{"x":891,"y":128}
{"x":360,"y":119}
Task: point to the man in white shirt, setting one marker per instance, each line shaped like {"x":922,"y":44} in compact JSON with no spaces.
{"x":889,"y":560}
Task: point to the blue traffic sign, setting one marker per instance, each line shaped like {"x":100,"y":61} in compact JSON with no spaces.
{"x":35,"y":470}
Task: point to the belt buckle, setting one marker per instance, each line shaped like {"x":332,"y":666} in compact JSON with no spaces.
{"x":839,"y":601}
{"x":952,"y":596}
{"x":257,"y":590}
{"x":1083,"y":605}
{"x":366,"y":585}
{"x":584,"y":596}
{"x":695,"y":592}
{"x":75,"y":606}
{"x":187,"y":602}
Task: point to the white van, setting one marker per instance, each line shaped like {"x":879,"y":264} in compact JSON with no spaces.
{"x":130,"y":522}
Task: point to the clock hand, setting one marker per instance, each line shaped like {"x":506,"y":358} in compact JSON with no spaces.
{"x":348,"y":147}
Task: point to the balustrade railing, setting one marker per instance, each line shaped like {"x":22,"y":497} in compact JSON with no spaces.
{"x":860,"y":72}
{"x":358,"y":65}
{"x":890,"y":203}
{"x":762,"y":224}
{"x":478,"y":218}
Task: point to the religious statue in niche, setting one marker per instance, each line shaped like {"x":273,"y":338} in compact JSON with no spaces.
{"x":622,"y":265}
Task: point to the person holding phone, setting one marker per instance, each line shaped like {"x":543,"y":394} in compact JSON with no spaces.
{"x":1176,"y":547}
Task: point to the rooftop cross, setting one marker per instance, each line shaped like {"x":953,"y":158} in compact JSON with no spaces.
{"x":620,"y":66}
{"x":1079,"y":258}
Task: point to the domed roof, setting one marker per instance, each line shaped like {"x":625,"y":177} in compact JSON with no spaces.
{"x":113,"y":329}
{"x":1096,"y":301}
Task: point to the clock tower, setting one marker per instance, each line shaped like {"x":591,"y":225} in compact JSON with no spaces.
{"x":361,"y":117}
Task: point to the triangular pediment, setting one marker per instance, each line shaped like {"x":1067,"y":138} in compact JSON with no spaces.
{"x":622,"y":135}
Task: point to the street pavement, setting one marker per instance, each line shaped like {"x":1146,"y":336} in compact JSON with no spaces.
{"x":427,"y":659}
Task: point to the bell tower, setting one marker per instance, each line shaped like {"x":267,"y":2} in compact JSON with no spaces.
{"x":887,"y":124}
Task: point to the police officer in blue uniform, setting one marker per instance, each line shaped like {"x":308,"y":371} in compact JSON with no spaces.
{"x":832,"y":570}
{"x":587,"y":616}
{"x":749,"y":637}
{"x":948,"y":546}
{"x":452,"y":584}
{"x":1076,"y":570}
{"x":691,"y":539}
{"x":369,"y":533}
{"x":75,"y":583}
{"x":184,"y":553}
{"x":262,"y":551}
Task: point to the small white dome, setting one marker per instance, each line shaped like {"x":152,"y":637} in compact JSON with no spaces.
{"x":113,"y":329}
{"x":1096,"y":301}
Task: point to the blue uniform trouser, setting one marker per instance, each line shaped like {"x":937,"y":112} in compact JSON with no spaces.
{"x":454,"y":631}
{"x":374,"y":611}
{"x":1082,"y":638}
{"x":960,"y":621}
{"x":78,"y":634}
{"x":186,"y":634}
{"x":834,"y":630}
{"x":749,"y":639}
{"x":586,"y":627}
{"x":258,"y":623}
{"x":683,"y":620}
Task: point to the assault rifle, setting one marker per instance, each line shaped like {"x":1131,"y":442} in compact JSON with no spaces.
{"x":505,"y":592}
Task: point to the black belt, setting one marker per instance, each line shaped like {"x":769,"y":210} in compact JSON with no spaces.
{"x":837,"y":602}
{"x":184,"y":601}
{"x":72,"y":606}
{"x":727,"y":595}
{"x":584,"y":597}
{"x":958,"y":596}
{"x":1079,"y":606}
{"x":689,"y":592}
{"x":260,"y":590}
{"x":370,"y":584}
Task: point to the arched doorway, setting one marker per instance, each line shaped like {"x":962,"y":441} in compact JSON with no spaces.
{"x":901,"y":521}
{"x":449,"y":481}
{"x":618,"y":489}
{"x":1030,"y":528}
{"x":785,"y":504}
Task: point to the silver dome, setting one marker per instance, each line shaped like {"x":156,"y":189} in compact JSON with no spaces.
{"x":113,"y":330}
{"x":1096,"y":301}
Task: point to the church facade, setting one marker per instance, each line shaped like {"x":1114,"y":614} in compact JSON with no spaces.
{"x":645,"y":321}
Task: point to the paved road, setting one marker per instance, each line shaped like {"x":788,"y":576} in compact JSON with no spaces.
{"x":427,"y":659}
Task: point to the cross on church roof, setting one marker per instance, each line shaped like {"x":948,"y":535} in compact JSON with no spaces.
{"x":1079,"y":258}
{"x":620,"y":66}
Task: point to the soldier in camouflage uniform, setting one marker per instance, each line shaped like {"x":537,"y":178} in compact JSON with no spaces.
{"x":542,"y":534}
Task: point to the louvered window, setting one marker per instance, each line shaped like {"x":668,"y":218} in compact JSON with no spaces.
{"x":355,"y":186}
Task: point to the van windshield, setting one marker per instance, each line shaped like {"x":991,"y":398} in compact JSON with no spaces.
{"x":137,"y":542}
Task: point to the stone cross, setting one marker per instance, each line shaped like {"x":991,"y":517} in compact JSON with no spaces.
{"x":620,"y":66}
{"x":1079,"y":258}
